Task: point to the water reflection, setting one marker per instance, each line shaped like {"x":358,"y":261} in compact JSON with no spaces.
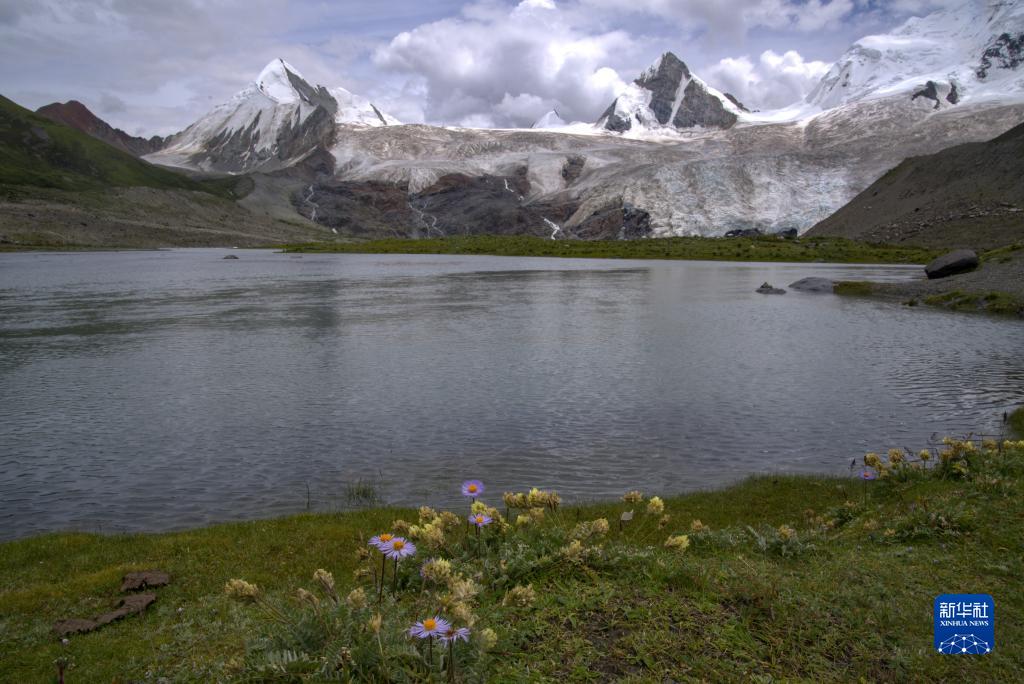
{"x":164,"y":389}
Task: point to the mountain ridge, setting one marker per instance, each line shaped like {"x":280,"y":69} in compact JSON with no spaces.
{"x":966,"y":196}
{"x":76,"y":115}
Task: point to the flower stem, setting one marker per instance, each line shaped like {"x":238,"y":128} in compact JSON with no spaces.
{"x":451,"y":661}
{"x":394,"y":585}
{"x":383,"y":565}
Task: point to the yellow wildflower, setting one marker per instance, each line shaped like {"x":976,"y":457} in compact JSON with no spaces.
{"x":306,"y":597}
{"x":698,"y":526}
{"x":786,"y":532}
{"x":655,"y":506}
{"x":374,"y":623}
{"x":633,"y":497}
{"x":242,"y":590}
{"x":356,"y":599}
{"x":427,"y":514}
{"x":400,"y":527}
{"x":520,"y":596}
{"x":574,"y":552}
{"x":437,"y":570}
{"x":324,"y":579}
{"x":679,"y":543}
{"x":488,"y":639}
{"x":461,"y":612}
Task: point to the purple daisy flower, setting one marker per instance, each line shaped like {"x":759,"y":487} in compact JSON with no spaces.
{"x":867,"y":474}
{"x":451,"y":634}
{"x":473,"y":488}
{"x":431,"y":627}
{"x":479,"y":519}
{"x":398,"y":548}
{"x":381,"y":540}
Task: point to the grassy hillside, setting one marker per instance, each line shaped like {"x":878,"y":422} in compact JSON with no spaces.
{"x":777,"y":578}
{"x":767,"y":248}
{"x":35,"y":151}
{"x":969,"y":196}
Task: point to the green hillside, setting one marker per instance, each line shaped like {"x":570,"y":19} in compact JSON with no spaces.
{"x":35,"y":151}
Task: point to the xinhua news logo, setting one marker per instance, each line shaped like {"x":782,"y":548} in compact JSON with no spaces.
{"x":965,"y":624}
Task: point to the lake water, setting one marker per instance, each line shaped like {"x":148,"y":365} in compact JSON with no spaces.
{"x":160,"y":390}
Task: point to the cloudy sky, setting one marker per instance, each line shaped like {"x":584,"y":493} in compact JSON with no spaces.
{"x":154,"y":66}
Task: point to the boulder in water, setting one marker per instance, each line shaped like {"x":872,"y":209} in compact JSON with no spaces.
{"x":768,"y":289}
{"x":817,"y":285}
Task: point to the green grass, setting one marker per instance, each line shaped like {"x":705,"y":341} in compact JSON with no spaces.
{"x":767,"y":248}
{"x":991,"y":302}
{"x":37,"y":152}
{"x":854,"y":288}
{"x":1003,"y":254}
{"x":1016,"y":422}
{"x":846,"y":597}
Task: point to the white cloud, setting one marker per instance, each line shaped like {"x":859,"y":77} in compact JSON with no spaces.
{"x":154,"y":66}
{"x":771,"y":82}
{"x":735,"y":17}
{"x":508,"y":66}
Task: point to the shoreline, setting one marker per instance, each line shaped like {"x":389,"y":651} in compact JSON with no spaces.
{"x":996,"y":287}
{"x":764,"y":249}
{"x":825,"y":558}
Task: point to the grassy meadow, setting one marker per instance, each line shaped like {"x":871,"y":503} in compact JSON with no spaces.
{"x":775,"y":578}
{"x":764,"y":248}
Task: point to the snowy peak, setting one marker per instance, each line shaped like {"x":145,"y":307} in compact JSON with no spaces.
{"x":357,"y":110}
{"x":952,"y":54}
{"x":550,"y":120}
{"x":668,"y":96}
{"x":278,"y":120}
{"x":277,"y":81}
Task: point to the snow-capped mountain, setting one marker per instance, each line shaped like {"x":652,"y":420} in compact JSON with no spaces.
{"x":550,"y":120}
{"x":671,"y":156}
{"x":966,"y":53}
{"x":667,"y":95}
{"x":277,"y":120}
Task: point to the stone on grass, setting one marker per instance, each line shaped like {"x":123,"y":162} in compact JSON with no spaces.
{"x":129,"y":605}
{"x":134,"y":581}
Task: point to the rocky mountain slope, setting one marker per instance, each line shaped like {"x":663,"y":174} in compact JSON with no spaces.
{"x":76,"y":115}
{"x":34,"y":150}
{"x":969,"y":195}
{"x":60,"y":188}
{"x":667,"y":95}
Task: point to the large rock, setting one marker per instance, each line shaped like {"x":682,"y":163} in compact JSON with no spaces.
{"x":814,"y":285}
{"x":950,"y":264}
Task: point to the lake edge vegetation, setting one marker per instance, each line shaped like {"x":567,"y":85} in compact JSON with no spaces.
{"x":818,"y":578}
{"x":766,"y":248}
